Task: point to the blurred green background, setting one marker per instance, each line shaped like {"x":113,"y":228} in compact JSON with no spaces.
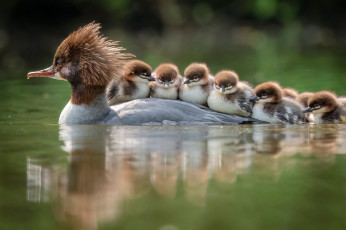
{"x":301,"y":43}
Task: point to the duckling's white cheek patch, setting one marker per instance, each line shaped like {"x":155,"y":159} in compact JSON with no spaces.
{"x":140,"y":80}
{"x":231,"y":90}
{"x":320,"y":110}
{"x":194,"y":83}
{"x":268,"y":99}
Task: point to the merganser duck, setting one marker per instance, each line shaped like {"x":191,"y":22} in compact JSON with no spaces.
{"x":325,"y":107}
{"x":89,"y":61}
{"x":197,"y":84}
{"x":167,"y":82}
{"x":303,"y":100}
{"x":132,"y":85}
{"x":290,"y":93}
{"x":229,"y":95}
{"x":272,"y":107}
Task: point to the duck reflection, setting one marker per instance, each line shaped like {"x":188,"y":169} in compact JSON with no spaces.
{"x":165,"y":172}
{"x":324,"y":141}
{"x":108,"y":166}
{"x":90,"y":192}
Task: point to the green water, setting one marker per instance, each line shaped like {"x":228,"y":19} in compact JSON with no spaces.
{"x":168,"y":178}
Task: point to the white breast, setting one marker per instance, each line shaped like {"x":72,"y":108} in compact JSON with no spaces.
{"x":166,"y":93}
{"x":143,"y":91}
{"x":193,"y":94}
{"x":318,"y":118}
{"x":218,"y":102}
{"x":259,"y":113}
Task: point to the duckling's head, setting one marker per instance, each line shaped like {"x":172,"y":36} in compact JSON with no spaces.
{"x":322,"y":102}
{"x":138,"y":71}
{"x":226,"y":81}
{"x":290,"y":93}
{"x":303,"y":98}
{"x":167,"y":75}
{"x":86,"y":58}
{"x":196,"y":74}
{"x":267,"y":92}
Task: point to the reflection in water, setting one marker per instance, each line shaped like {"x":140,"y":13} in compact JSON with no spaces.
{"x":109,"y":165}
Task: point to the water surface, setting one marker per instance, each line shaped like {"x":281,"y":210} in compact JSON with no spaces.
{"x":162,"y":177}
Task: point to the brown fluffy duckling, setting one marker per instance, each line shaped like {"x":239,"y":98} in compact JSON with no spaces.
{"x":229,"y":95}
{"x":272,"y":107}
{"x":197,"y":84}
{"x":167,"y":82}
{"x":325,"y":108}
{"x":132,"y":85}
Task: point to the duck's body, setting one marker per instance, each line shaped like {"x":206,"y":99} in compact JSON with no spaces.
{"x":133,"y":84}
{"x":286,"y":111}
{"x":197,"y":84}
{"x":326,"y":108}
{"x":230,"y":95}
{"x":149,"y":111}
{"x":272,"y":107}
{"x":167,"y":82}
{"x":88,"y":61}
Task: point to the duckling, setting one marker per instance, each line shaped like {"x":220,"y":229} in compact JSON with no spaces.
{"x":290,"y":93}
{"x":325,"y":107}
{"x":197,"y":84}
{"x":272,"y":107}
{"x":303,"y":100}
{"x":167,"y":82}
{"x":229,"y":95}
{"x":132,"y":85}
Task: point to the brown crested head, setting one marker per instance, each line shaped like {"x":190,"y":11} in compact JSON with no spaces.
{"x":136,"y":69}
{"x":226,"y":80}
{"x":166,"y":74}
{"x":269,"y":92}
{"x":196,"y":72}
{"x":289,"y":92}
{"x":322,"y":102}
{"x":87,"y":57}
{"x":303,"y":98}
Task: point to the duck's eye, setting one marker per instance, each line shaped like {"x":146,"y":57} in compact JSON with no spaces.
{"x":195,"y":78}
{"x":229,"y":85}
{"x":57,"y":61}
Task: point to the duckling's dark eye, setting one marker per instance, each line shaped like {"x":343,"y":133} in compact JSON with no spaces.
{"x":195,"y":78}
